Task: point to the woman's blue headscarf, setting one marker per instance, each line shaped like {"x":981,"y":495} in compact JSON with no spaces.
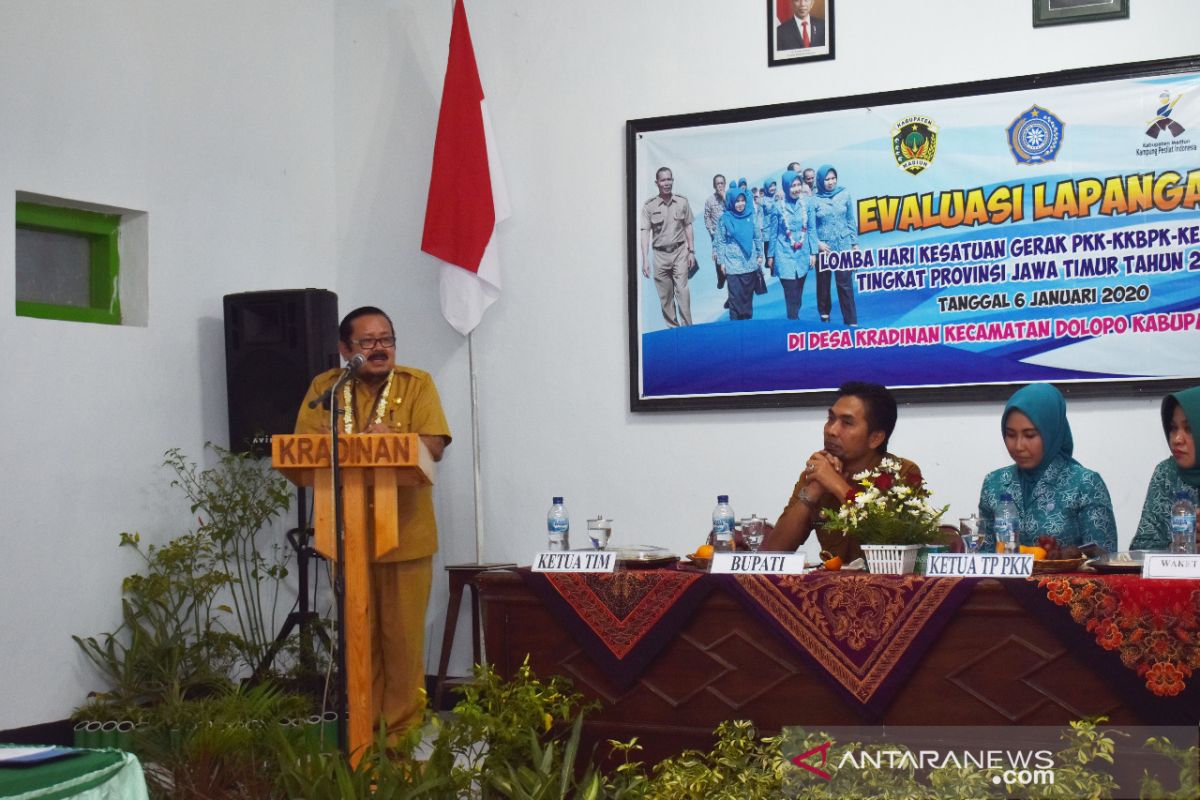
{"x":1047,"y":410}
{"x":740,"y":225}
{"x":821,"y":173}
{"x":787,"y":180}
{"x":1189,"y":401}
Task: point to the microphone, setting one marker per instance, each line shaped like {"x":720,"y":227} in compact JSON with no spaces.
{"x":352,"y":366}
{"x":355,"y":363}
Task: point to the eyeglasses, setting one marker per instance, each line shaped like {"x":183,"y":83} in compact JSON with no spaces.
{"x":386,"y":342}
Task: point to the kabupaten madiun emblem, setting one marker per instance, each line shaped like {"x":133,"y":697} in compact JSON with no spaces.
{"x":914,"y":143}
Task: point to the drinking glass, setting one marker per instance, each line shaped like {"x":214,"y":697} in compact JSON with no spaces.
{"x":968,"y":529}
{"x":599,"y":530}
{"x":753,"y":530}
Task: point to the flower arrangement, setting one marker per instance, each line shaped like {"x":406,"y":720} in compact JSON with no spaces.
{"x":883,"y":507}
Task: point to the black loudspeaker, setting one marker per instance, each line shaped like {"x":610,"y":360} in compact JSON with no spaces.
{"x":275,"y":342}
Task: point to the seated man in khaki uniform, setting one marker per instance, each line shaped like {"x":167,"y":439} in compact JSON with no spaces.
{"x":385,"y":397}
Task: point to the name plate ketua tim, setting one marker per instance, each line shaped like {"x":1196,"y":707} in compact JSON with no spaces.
{"x":575,"y":561}
{"x":1171,"y":565}
{"x":979,"y":565}
{"x":758,"y":563}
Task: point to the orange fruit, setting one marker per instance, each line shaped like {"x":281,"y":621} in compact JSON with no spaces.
{"x":704,"y":551}
{"x":834,"y":563}
{"x":1038,"y":553}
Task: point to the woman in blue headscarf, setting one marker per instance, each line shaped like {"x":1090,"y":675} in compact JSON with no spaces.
{"x":1179,"y":473}
{"x":837,"y":231}
{"x":739,"y":248}
{"x":791,"y":247}
{"x":1054,"y":494}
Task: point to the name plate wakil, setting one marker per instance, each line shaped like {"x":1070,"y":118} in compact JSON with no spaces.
{"x":979,"y":565}
{"x":575,"y":561}
{"x":757,"y":563}
{"x":1171,"y":565}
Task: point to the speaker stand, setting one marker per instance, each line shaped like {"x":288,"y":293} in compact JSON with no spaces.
{"x":303,"y":618}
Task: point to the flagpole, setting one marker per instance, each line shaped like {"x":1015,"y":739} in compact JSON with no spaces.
{"x":475,"y":448}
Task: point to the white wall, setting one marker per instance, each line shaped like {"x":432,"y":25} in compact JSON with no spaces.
{"x":216,"y":118}
{"x":277,"y":144}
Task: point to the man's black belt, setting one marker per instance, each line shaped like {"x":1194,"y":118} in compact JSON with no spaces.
{"x":671,"y":248}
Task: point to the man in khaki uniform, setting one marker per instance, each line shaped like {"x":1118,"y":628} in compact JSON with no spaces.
{"x":385,"y":397}
{"x":667,"y":226}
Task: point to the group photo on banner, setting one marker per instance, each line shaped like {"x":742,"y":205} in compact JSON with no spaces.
{"x":944,"y":240}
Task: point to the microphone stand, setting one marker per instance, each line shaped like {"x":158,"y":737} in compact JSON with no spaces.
{"x":339,"y":582}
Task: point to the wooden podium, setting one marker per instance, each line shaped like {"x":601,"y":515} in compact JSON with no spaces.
{"x":372,"y":467}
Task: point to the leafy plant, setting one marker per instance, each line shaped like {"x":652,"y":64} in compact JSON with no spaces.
{"x":169,"y":645}
{"x":234,"y":502}
{"x":201,"y":612}
{"x":1188,"y":761}
{"x":222,"y":746}
{"x":549,"y":774}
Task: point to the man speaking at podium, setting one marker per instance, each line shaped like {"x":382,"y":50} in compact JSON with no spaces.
{"x":385,"y":397}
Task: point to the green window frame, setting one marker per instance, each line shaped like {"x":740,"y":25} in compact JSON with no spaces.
{"x":101,"y":231}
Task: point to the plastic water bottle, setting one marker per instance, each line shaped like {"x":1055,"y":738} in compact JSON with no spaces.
{"x":722,"y":529}
{"x":558,"y":526}
{"x":1183,"y":524}
{"x":1006,"y":525}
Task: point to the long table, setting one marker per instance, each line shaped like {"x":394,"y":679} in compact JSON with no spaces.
{"x":992,"y":663}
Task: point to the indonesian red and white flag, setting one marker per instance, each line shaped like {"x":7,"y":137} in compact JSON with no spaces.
{"x":467,"y":195}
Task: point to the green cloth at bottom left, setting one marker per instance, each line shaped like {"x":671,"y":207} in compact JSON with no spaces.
{"x":92,"y":775}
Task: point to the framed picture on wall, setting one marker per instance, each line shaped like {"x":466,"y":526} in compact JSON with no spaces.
{"x":951,"y":242}
{"x":1061,"y":12}
{"x":799,"y":31}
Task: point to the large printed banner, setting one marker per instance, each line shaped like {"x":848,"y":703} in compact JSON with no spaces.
{"x":1037,"y":229}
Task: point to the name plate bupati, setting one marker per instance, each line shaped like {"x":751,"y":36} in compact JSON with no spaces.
{"x":979,"y":565}
{"x":1171,"y":565}
{"x":575,"y":561}
{"x":757,"y":563}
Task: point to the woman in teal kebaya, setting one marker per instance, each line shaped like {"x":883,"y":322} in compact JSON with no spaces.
{"x":1179,"y":473}
{"x":1054,"y":494}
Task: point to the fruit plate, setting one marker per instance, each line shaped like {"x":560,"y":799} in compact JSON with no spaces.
{"x":699,"y":563}
{"x":1050,"y":565}
{"x":643,"y":556}
{"x":1120,"y":562}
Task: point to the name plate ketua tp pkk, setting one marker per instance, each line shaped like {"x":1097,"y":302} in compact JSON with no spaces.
{"x":575,"y":561}
{"x":757,"y":563}
{"x":1171,"y":565}
{"x":979,"y":565}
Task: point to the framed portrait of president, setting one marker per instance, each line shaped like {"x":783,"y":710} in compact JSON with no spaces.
{"x":799,"y":31}
{"x":1062,"y":12}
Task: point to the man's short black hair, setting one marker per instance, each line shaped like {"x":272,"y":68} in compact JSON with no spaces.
{"x":347,"y":326}
{"x":880,"y":406}
{"x":718,"y":175}
{"x":661,"y":170}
